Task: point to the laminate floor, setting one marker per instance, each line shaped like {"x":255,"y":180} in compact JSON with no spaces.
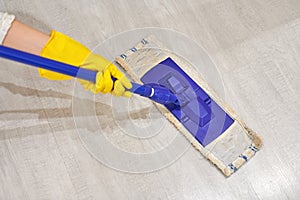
{"x":256,"y":48}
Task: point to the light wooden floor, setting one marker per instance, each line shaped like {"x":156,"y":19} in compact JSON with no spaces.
{"x":256,"y":47}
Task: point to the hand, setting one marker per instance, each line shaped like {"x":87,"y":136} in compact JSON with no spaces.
{"x":65,"y":49}
{"x":104,"y":83}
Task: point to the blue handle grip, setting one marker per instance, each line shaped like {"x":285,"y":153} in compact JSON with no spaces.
{"x":154,"y":92}
{"x":55,"y":66}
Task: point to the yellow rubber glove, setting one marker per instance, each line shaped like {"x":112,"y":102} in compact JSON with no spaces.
{"x":65,"y":49}
{"x":104,"y":83}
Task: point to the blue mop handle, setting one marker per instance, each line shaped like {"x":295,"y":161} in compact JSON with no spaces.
{"x":55,"y":66}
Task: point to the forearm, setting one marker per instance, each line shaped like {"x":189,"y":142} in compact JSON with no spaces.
{"x":25,"y":38}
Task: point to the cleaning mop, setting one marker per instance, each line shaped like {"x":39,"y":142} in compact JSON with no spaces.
{"x":204,"y":119}
{"x":181,"y":96}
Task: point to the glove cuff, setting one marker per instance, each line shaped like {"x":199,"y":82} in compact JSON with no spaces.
{"x":63,"y":49}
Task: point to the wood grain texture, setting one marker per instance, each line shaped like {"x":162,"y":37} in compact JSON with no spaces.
{"x":256,"y":46}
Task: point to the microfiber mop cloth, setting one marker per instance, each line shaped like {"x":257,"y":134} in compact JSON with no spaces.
{"x":204,"y":119}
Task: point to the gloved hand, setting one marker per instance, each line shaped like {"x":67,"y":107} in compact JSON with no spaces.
{"x":65,"y":49}
{"x":104,"y":83}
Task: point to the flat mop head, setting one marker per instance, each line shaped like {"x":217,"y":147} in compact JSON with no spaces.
{"x":202,"y":117}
